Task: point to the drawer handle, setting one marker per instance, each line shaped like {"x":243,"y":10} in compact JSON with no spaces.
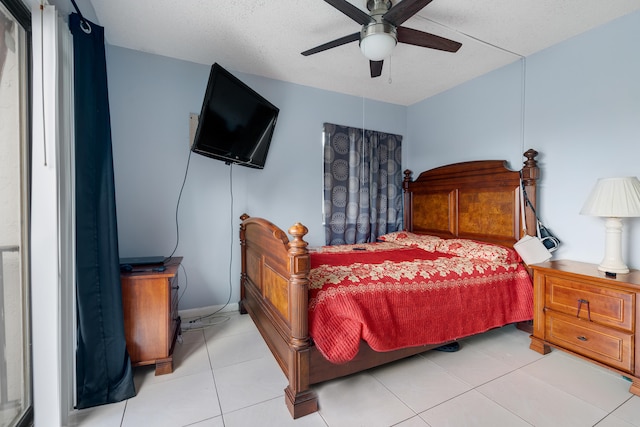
{"x":583,"y":338}
{"x":585,"y":302}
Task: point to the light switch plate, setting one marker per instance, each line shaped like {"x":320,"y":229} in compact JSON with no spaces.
{"x":193,"y":126}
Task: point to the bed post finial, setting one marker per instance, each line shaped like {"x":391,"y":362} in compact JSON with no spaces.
{"x":530,"y":175}
{"x":530,"y":171}
{"x":298,"y":231}
{"x":407,"y":224}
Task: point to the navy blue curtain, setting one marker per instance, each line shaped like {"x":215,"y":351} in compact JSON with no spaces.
{"x":362,"y":184}
{"x":103,"y":372}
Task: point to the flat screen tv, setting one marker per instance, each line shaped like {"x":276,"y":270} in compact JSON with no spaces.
{"x":236,"y":123}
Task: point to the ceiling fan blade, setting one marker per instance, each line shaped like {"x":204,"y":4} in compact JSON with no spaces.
{"x":420,"y":38}
{"x":404,"y":10}
{"x":358,"y":15}
{"x":334,"y":43}
{"x":376,"y":68}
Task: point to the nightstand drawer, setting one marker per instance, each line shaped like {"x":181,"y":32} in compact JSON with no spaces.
{"x":606,"y":306}
{"x":606,"y":345}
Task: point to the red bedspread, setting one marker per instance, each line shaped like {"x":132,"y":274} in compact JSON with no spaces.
{"x":398,"y":296}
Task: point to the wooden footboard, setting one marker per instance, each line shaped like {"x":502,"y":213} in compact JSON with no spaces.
{"x":274,"y":292}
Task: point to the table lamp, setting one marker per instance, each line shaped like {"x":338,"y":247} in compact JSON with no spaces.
{"x":613,"y":199}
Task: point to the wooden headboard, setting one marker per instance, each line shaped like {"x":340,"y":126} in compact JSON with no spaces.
{"x":473,"y":200}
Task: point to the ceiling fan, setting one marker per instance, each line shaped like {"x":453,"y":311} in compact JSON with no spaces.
{"x":381,"y":30}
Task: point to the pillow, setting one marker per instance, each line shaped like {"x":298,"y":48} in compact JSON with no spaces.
{"x":479,"y":250}
{"x":406,"y":238}
{"x":398,"y":236}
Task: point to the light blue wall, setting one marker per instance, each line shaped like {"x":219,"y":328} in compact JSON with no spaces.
{"x":478,"y":120}
{"x":151,"y":98}
{"x":580,"y":102}
{"x":581,"y":112}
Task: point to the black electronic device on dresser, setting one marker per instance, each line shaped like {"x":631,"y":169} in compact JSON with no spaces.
{"x":141,"y":264}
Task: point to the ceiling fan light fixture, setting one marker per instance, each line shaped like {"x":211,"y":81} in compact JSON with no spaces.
{"x":378,"y":35}
{"x":377,"y":41}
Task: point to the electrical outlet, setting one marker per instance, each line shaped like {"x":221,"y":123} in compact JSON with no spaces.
{"x":193,"y":324}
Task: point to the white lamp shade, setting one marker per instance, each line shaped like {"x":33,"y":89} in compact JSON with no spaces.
{"x":614,"y":198}
{"x":376,"y":47}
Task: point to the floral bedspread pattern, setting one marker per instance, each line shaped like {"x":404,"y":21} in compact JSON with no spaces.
{"x":398,"y":295}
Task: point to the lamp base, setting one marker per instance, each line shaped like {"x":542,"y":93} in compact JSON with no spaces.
{"x":615,"y":270}
{"x":612,"y":262}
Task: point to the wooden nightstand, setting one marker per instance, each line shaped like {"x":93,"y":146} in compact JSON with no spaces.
{"x":579,"y":310}
{"x":151,"y":320}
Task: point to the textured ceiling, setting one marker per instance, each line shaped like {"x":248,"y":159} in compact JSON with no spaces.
{"x":266,"y":37}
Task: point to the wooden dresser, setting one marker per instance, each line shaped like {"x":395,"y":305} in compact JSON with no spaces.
{"x":151,"y":320}
{"x":579,"y":310}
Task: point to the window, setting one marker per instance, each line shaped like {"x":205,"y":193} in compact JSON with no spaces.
{"x":362,"y":184}
{"x":15,"y":365}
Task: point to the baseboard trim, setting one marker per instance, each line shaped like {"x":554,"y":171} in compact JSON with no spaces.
{"x":192,"y":313}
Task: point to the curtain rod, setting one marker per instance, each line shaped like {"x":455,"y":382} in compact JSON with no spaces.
{"x":87,"y":27}
{"x":73,"y":2}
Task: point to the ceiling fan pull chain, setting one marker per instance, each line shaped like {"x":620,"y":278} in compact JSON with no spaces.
{"x":389,"y":65}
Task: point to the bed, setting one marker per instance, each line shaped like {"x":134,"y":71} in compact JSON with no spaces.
{"x":477,"y":200}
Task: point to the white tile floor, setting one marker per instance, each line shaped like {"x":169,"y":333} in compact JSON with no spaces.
{"x":225,"y":376}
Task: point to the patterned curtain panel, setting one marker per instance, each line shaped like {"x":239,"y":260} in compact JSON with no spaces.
{"x":362,"y":184}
